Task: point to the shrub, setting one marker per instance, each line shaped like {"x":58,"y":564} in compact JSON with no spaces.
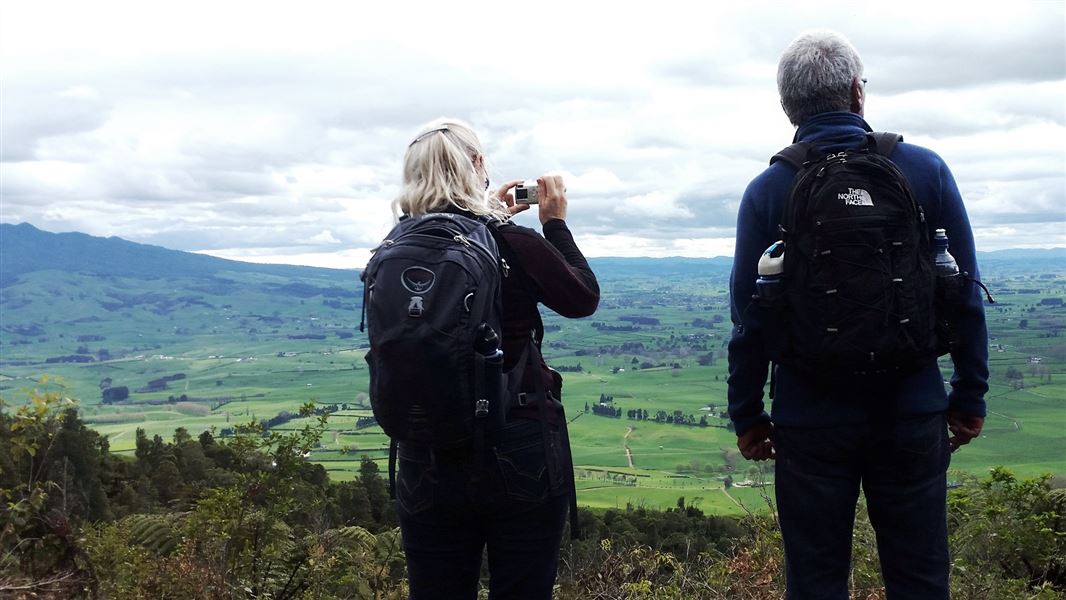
{"x":1008,"y":537}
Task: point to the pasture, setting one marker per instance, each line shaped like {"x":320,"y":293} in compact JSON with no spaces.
{"x":656,"y":345}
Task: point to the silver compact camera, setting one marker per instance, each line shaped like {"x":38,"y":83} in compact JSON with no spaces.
{"x":526,"y":193}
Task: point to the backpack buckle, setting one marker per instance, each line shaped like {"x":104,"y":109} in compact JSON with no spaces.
{"x":481,"y":408}
{"x":523,"y":399}
{"x":415,"y":308}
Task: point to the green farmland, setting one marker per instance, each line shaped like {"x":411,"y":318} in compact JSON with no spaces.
{"x":243,"y":347}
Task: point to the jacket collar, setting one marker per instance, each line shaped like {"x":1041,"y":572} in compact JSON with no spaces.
{"x":833,"y":131}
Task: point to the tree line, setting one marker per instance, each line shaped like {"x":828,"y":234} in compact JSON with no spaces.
{"x":250,"y":516}
{"x":605,"y":408}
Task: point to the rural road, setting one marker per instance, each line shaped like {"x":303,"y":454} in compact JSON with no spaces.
{"x":1014,"y":422}
{"x":735,"y":501}
{"x":625,"y":444}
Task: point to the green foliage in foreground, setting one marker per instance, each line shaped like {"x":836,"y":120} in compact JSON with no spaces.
{"x":252,"y":518}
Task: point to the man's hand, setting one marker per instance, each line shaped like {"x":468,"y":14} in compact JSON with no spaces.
{"x":963,"y":428}
{"x":756,"y":443}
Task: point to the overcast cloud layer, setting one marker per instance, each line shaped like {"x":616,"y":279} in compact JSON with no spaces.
{"x":274,"y":132}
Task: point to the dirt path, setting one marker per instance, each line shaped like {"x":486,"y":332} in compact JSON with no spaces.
{"x":112,"y":438}
{"x":1017,"y":425}
{"x":735,"y":501}
{"x":625,"y":444}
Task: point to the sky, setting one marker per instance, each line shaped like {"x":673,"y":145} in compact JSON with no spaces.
{"x":275,"y":131}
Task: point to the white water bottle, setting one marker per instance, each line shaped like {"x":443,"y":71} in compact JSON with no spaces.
{"x":768,"y":287}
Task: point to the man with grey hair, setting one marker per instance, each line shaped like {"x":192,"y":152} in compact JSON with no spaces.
{"x":832,"y":434}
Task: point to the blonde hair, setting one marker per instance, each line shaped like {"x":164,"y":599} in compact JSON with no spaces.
{"x":439,"y":171}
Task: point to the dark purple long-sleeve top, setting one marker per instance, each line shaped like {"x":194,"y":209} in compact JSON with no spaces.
{"x":548,"y":269}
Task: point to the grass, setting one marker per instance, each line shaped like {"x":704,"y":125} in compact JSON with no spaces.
{"x":241,"y":363}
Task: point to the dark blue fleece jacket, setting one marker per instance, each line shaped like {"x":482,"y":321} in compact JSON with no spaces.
{"x":799,"y":402}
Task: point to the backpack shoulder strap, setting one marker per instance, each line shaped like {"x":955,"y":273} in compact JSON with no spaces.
{"x":495,"y":225}
{"x":884,"y":142}
{"x":497,"y":229}
{"x":795,"y":155}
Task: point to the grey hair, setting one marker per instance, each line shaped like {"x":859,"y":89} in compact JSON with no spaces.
{"x":439,"y":171}
{"x":816,"y":73}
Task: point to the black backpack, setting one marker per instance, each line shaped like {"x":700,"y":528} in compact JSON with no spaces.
{"x":859,"y":274}
{"x":431,"y":297}
{"x":432,"y":301}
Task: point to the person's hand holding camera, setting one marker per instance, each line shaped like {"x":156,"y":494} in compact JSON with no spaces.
{"x":549,"y":196}
{"x":505,"y":196}
{"x":552,"y":195}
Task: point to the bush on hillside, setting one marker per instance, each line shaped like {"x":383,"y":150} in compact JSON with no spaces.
{"x":251,"y":517}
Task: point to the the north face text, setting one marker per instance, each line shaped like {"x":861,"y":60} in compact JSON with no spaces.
{"x":856,"y":197}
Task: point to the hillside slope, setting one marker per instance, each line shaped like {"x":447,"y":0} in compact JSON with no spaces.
{"x":25,"y":249}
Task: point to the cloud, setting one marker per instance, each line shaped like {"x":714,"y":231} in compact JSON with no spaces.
{"x":1025,"y":45}
{"x":1031,"y":235}
{"x":35,"y":115}
{"x":354,"y":258}
{"x":654,"y":205}
{"x":994,"y":108}
{"x":277,"y":131}
{"x":326,"y":237}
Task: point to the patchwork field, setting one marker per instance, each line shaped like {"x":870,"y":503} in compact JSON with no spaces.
{"x":252,"y":347}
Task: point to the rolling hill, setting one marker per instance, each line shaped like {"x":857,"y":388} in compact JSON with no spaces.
{"x":204,"y":343}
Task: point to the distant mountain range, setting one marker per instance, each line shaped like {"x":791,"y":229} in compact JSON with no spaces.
{"x":1025,"y":253}
{"x":25,"y":249}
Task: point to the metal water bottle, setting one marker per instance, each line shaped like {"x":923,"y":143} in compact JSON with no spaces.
{"x":948,"y":277}
{"x":945,"y":262}
{"x":768,"y":287}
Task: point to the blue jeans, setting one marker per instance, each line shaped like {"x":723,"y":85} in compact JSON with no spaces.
{"x":448,"y":515}
{"x":901,"y":464}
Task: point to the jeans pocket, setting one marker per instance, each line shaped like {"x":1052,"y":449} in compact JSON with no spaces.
{"x":416,"y":482}
{"x":822,"y":452}
{"x":922,"y":448}
{"x":524,"y":468}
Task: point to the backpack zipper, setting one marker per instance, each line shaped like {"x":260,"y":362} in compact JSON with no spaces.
{"x":458,"y":238}
{"x":832,"y":225}
{"x":469,"y":243}
{"x":383,"y":244}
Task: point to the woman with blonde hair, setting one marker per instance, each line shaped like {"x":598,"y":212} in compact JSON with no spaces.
{"x":509,"y":495}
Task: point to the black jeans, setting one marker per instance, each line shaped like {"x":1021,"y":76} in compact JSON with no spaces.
{"x":902,"y":467}
{"x":451,"y":508}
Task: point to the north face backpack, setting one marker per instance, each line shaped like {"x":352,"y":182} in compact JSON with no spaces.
{"x":859,"y":275}
{"x":432,"y":302}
